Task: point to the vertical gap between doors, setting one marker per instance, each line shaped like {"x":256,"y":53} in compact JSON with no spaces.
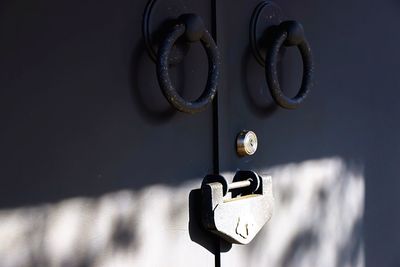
{"x":217,"y":252}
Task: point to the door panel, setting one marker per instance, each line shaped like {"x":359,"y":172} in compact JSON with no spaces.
{"x":81,"y":105}
{"x":350,"y":112}
{"x":82,"y":114}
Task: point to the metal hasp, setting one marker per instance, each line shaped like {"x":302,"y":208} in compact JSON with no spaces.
{"x":239,"y":215}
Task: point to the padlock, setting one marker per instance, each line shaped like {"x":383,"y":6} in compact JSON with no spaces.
{"x":237,"y":211}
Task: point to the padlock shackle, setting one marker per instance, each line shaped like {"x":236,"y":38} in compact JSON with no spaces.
{"x":240,"y":184}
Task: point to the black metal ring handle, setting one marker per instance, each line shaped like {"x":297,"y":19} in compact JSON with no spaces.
{"x":289,"y":33}
{"x":193,"y":29}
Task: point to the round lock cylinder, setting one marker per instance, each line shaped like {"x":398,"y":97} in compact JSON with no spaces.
{"x":246,"y":143}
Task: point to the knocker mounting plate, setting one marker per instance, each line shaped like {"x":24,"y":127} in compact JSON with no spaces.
{"x":265,"y":17}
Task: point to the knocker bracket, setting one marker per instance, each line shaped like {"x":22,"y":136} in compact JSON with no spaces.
{"x":158,"y":17}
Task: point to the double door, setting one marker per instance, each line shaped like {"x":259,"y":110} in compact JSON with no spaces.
{"x":82,"y":113}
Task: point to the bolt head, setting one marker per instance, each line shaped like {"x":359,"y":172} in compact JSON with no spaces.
{"x":246,"y":143}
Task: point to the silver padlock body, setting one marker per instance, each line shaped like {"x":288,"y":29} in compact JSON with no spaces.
{"x":237,"y":220}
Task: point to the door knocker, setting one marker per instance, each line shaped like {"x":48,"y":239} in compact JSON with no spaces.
{"x":287,"y":33}
{"x":192,"y":29}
